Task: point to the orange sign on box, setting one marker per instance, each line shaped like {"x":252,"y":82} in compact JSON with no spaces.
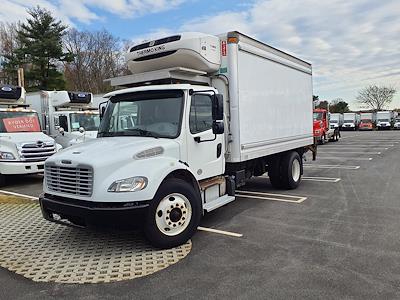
{"x":21,"y":124}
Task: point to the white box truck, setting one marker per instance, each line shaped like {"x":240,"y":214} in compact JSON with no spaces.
{"x":384,"y":119}
{"x":66,"y":116}
{"x":336,"y":120}
{"x":23,"y":146}
{"x":351,"y":121}
{"x":204,"y":114}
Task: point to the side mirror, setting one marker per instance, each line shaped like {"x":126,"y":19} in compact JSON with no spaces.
{"x":81,"y":129}
{"x":61,"y":130}
{"x":102,"y":109}
{"x":217,"y":107}
{"x":218,"y":127}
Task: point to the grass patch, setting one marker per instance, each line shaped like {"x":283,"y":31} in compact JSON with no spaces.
{"x":9,"y":199}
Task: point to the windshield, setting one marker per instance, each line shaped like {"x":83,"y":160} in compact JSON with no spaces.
{"x":333,"y":121}
{"x":19,"y":121}
{"x":89,"y":121}
{"x":348,"y":121}
{"x":383,"y":120}
{"x":366,"y":121}
{"x":318,"y":116}
{"x":152,"y":113}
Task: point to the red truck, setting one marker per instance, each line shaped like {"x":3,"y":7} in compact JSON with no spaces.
{"x":322,"y":131}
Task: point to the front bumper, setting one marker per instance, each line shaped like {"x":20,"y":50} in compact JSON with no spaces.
{"x":17,"y":167}
{"x":81,"y":213}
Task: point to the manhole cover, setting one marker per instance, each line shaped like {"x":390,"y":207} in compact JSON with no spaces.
{"x":43,"y":251}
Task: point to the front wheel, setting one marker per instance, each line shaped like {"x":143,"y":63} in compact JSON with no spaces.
{"x":173,"y":215}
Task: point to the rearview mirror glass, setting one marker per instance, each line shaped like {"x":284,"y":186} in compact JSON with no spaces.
{"x":218,"y":107}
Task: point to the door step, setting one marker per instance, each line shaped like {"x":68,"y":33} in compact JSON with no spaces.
{"x":221,"y":201}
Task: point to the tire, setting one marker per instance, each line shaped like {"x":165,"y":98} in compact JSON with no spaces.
{"x":291,"y":170}
{"x":2,"y":180}
{"x":173,"y":215}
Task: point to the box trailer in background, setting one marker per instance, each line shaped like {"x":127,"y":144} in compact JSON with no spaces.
{"x":66,"y":116}
{"x":23,"y":145}
{"x":367,"y":121}
{"x":199,"y":116}
{"x":384,"y":119}
{"x":336,"y":120}
{"x":351,"y":121}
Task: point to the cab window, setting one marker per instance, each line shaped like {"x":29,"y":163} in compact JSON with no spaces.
{"x":200,"y":118}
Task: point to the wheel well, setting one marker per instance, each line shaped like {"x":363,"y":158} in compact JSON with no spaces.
{"x":185,"y":176}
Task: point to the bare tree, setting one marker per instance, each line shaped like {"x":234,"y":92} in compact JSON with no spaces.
{"x":8,"y":45}
{"x":376,"y":97}
{"x":95,"y":56}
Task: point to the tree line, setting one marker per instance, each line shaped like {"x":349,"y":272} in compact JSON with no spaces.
{"x":54,"y":56}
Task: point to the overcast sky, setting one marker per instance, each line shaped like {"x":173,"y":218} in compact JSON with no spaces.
{"x":350,"y":43}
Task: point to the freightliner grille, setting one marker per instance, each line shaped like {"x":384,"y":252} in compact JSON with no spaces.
{"x":38,"y":151}
{"x":69,"y":180}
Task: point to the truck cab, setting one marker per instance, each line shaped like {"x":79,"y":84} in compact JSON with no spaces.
{"x":366,"y":124}
{"x":323,"y":130}
{"x":23,"y":146}
{"x":67,"y":116}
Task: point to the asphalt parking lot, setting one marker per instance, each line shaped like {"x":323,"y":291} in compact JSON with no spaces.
{"x":336,"y":236}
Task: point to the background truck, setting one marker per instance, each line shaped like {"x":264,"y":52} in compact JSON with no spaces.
{"x":323,"y":131}
{"x":23,"y":146}
{"x":367,"y":121}
{"x":336,"y":120}
{"x":384,"y":119}
{"x":66,"y":116}
{"x":168,"y":152}
{"x":351,"y":121}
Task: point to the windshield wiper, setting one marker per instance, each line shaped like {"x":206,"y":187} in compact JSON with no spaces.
{"x":144,"y":132}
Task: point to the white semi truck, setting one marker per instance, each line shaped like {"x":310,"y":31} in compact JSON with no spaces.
{"x":23,"y":146}
{"x":351,"y":121}
{"x":66,"y":116}
{"x":384,"y":119}
{"x":201,"y":114}
{"x":336,"y":120}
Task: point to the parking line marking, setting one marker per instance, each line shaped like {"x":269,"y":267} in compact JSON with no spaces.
{"x":19,"y":195}
{"x":310,"y":178}
{"x":350,"y":152}
{"x":234,"y":234}
{"x":321,"y":179}
{"x":266,"y":196}
{"x":331,"y":167}
{"x":345,"y":157}
{"x":352,"y":148}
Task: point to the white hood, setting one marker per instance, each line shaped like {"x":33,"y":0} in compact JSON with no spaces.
{"x":25,"y":137}
{"x":113,"y":152}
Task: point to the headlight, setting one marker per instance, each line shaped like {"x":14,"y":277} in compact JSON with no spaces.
{"x":7,"y":156}
{"x":131,"y":184}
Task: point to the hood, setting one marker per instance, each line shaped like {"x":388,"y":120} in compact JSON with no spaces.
{"x":115,"y":151}
{"x":25,"y":137}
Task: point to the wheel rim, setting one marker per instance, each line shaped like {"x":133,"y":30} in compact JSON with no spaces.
{"x":173,"y":214}
{"x":296,"y":170}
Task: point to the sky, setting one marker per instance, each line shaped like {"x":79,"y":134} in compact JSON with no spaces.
{"x":351,"y":44}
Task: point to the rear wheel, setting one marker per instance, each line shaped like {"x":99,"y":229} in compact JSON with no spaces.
{"x":2,"y":180}
{"x":173,"y":215}
{"x":285,"y":173}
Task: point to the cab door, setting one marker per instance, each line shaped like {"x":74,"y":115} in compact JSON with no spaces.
{"x":205,"y":150}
